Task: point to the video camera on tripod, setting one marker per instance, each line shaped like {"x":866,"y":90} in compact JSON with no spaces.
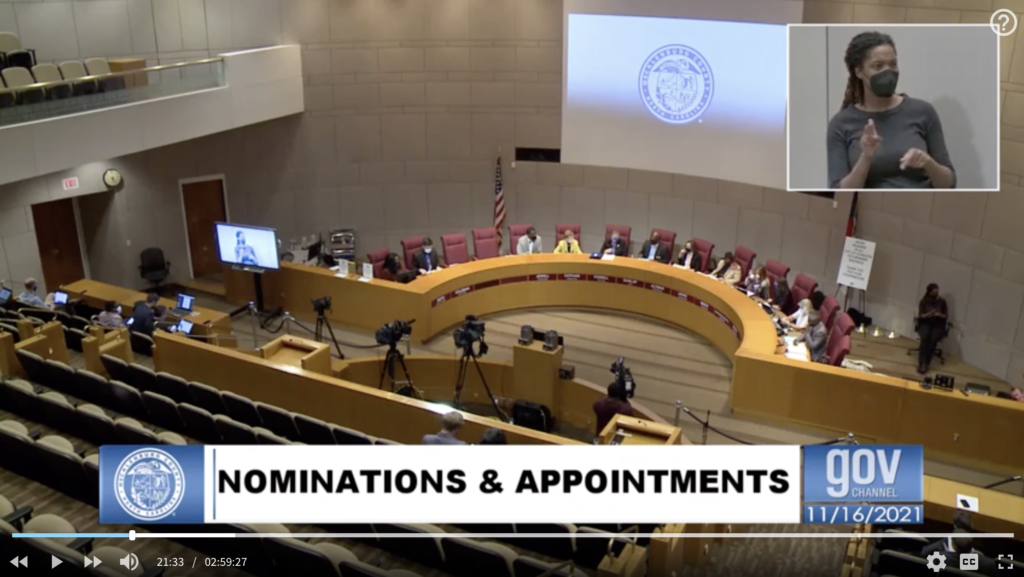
{"x":471,"y":332}
{"x":624,"y":377}
{"x":393,"y":332}
{"x":321,"y":305}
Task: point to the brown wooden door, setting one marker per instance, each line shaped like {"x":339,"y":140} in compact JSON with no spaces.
{"x":204,"y":206}
{"x":57,"y":237}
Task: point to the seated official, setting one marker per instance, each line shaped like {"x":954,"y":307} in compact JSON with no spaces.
{"x":529,"y":243}
{"x":426,"y":260}
{"x":723,"y":265}
{"x":961,"y":543}
{"x":932,"y":313}
{"x":733,"y":275}
{"x":450,"y":425}
{"x":688,"y":258}
{"x":614,"y":404}
{"x":568,"y":244}
{"x":493,"y":436}
{"x":798,"y":320}
{"x":615,"y":245}
{"x":757,"y":282}
{"x":653,"y":249}
{"x":817,"y":299}
{"x":144,"y":315}
{"x":779,"y":294}
{"x":110,"y":318}
{"x":816,"y":337}
{"x":393,"y":269}
{"x":30,"y":296}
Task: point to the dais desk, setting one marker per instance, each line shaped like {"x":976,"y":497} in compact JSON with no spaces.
{"x":975,"y":431}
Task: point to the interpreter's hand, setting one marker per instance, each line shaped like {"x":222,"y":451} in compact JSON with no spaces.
{"x":869,"y":139}
{"x":915,"y":158}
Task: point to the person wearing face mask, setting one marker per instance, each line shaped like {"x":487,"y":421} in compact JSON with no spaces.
{"x":529,"y":243}
{"x":654,"y":250}
{"x":426,"y":260}
{"x":881,"y":138}
{"x":30,"y":296}
{"x":615,"y":245}
{"x":110,"y":318}
{"x":568,"y":244}
{"x":688,"y":258}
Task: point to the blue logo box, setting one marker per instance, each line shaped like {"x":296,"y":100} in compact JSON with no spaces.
{"x":142,"y":484}
{"x":864,"y":473}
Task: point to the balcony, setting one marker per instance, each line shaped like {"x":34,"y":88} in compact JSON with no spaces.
{"x":46,"y":127}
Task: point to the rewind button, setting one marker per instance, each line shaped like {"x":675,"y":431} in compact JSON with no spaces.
{"x":23,"y":562}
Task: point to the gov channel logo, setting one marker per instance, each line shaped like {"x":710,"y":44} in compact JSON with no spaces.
{"x":864,"y":473}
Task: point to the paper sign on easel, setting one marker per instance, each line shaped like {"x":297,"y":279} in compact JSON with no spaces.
{"x":967,"y":503}
{"x":342,"y":268}
{"x":367,"y":273}
{"x":855,"y":268}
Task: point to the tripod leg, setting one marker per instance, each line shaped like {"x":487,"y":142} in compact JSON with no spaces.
{"x":460,"y":381}
{"x":384,"y":370}
{"x":494,"y":402}
{"x":337,"y":347}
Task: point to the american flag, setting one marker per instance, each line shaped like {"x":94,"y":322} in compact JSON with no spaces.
{"x":499,"y":200}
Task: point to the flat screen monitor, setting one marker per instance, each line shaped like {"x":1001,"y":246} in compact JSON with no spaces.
{"x":5,"y":295}
{"x":247,"y":246}
{"x":60,"y":298}
{"x":185,"y":302}
{"x":185,"y":326}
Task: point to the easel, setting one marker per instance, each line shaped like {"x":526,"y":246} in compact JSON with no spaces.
{"x":860,"y":298}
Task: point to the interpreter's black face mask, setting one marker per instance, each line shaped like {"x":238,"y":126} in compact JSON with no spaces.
{"x":883,"y":84}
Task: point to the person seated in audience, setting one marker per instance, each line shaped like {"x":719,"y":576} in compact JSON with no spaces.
{"x":615,"y":245}
{"x":493,"y":436}
{"x":110,"y":318}
{"x":448,"y":435}
{"x":144,"y":315}
{"x":798,"y":320}
{"x":568,"y":244}
{"x":653,"y":249}
{"x":816,"y":338}
{"x":961,"y":543}
{"x":688,"y":257}
{"x":932,"y":313}
{"x":733,"y":275}
{"x":426,"y":260}
{"x":722,"y":266}
{"x":529,"y":243}
{"x":30,"y":295}
{"x":780,"y":294}
{"x":614,"y":404}
{"x":757,"y":282}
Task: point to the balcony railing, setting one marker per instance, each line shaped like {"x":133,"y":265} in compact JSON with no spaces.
{"x":46,"y":100}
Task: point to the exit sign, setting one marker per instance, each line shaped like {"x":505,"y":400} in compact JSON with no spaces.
{"x":71,"y":183}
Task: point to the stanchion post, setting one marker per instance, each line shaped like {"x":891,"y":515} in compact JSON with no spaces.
{"x":679,"y":407}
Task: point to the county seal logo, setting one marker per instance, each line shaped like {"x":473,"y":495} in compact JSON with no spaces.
{"x":676,"y":84}
{"x":149,"y":484}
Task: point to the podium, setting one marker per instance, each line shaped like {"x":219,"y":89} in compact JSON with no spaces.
{"x":636,"y":431}
{"x":303,"y":353}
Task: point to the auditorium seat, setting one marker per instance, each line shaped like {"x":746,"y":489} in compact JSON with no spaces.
{"x":73,"y":338}
{"x":16,"y":451}
{"x":829,"y":311}
{"x":704,"y":249}
{"x":314,"y":431}
{"x":359,"y":569}
{"x":234,"y":432}
{"x":171,"y":386}
{"x":560,"y":232}
{"x":425,"y":551}
{"x":163,"y":411}
{"x":456,"y":251}
{"x":55,"y":408}
{"x":99,"y":66}
{"x":131,"y":432}
{"x":60,"y":377}
{"x":530,"y":567}
{"x":898,"y":540}
{"x":469,"y":558}
{"x":745,"y":257}
{"x":625,"y":232}
{"x":319,"y":560}
{"x":34,"y":366}
{"x":18,"y":77}
{"x":843,"y":324}
{"x":142,"y":378}
{"x":241,"y":409}
{"x":19,"y":397}
{"x":116,"y":368}
{"x":267,"y":437}
{"x":485,"y":243}
{"x":411,"y":246}
{"x":61,"y":467}
{"x":49,"y":523}
{"x":141,"y":344}
{"x":127,"y":400}
{"x":277,"y":421}
{"x":802,"y":288}
{"x":73,"y":69}
{"x":590,"y":551}
{"x":667,"y":238}
{"x":559,"y":548}
{"x":776,"y":270}
{"x":9,"y":42}
{"x":206,"y":397}
{"x":47,"y":72}
{"x":346,"y":436}
{"x":199,"y":424}
{"x":517,"y":230}
{"x":838,"y":351}
{"x":96,"y":426}
{"x":377,"y":259}
{"x":92,"y":388}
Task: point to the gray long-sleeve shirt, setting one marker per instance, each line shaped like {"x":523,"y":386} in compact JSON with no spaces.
{"x":912,"y":124}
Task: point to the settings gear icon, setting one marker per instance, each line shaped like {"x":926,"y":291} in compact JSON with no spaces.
{"x":936,"y":561}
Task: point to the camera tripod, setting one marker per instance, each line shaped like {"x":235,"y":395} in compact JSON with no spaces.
{"x":388,"y":370}
{"x":318,"y":333}
{"x":467,"y":354}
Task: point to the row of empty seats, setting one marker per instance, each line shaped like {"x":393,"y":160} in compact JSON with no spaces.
{"x":19,"y":70}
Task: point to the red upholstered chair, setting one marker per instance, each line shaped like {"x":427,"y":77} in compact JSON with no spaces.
{"x":411,"y":246}
{"x":838,"y":348}
{"x":482,"y":234}
{"x":377,"y":258}
{"x":704,"y":249}
{"x":802,"y":288}
{"x":560,"y":232}
{"x":485,"y":248}
{"x":745,"y":257}
{"x":624,"y":233}
{"x":514,"y":232}
{"x":843,"y":324}
{"x":829,"y":311}
{"x":667,"y":238}
{"x":776,"y":270}
{"x":456,"y":251}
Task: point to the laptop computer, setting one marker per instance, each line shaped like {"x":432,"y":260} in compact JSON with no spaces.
{"x":184,"y":306}
{"x":60,"y":298}
{"x":185,"y":327}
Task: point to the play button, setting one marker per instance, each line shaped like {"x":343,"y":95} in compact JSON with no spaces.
{"x":54,"y":561}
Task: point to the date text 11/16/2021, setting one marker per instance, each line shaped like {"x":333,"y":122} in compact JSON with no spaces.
{"x":857,"y":514}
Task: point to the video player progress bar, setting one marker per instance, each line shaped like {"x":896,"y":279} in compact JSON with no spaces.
{"x":135,"y":535}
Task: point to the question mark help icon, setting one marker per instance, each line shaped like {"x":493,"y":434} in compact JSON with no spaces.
{"x":1003,"y":22}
